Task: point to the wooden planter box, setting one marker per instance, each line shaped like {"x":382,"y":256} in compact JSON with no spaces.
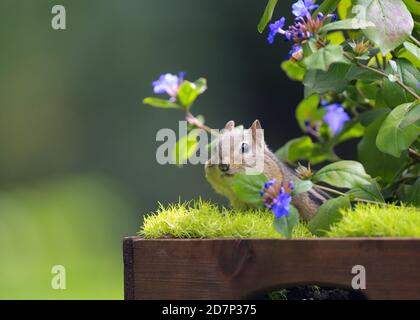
{"x":242,"y":269}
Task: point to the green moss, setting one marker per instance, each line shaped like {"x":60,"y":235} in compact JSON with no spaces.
{"x":369,"y":220}
{"x":202,"y":219}
{"x":278,"y":295}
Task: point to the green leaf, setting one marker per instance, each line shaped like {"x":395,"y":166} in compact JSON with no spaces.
{"x":318,"y":81}
{"x":189,"y":91}
{"x":393,"y":94}
{"x":413,"y":7}
{"x":328,"y":214}
{"x":411,"y":47}
{"x":293,"y":70}
{"x":324,"y":57}
{"x":405,"y":54}
{"x":285,"y":224}
{"x":303,"y":149}
{"x":326,"y":7}
{"x":377,"y":163}
{"x":344,"y":8}
{"x":414,"y":194}
{"x":186,"y":147}
{"x":367,"y":89}
{"x":347,"y":24}
{"x":336,"y":37}
{"x":367,"y":117}
{"x":358,"y":73}
{"x":393,"y":22}
{"x":343,"y":174}
{"x":301,"y":186}
{"x":352,"y":129}
{"x":247,"y":187}
{"x":309,"y":47}
{"x":392,"y":137}
{"x":367,"y":192}
{"x":412,"y":116}
{"x":267,"y":15}
{"x":160,"y":103}
{"x":307,"y":110}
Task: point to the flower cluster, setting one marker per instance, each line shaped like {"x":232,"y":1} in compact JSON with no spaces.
{"x":277,"y":197}
{"x":304,"y":173}
{"x":304,"y":27}
{"x":360,"y":47}
{"x":168,"y":83}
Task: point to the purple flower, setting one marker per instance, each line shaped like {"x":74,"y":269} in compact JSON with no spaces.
{"x":275,"y":28}
{"x":281,"y":204}
{"x":266,"y":186}
{"x":303,"y":8}
{"x":168,"y":83}
{"x":296,"y":52}
{"x":335,"y":117}
{"x":277,"y":197}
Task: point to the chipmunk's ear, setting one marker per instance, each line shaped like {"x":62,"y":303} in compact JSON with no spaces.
{"x":230,"y":125}
{"x":254,"y":127}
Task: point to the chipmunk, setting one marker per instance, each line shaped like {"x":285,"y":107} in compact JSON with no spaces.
{"x":234,"y":143}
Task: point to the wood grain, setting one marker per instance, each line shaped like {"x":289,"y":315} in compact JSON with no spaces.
{"x":241,"y":269}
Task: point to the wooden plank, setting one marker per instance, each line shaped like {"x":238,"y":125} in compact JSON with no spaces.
{"x":128,"y":256}
{"x":240,"y":269}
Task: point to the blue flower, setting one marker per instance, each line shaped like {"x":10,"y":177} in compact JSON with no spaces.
{"x":296,"y":52}
{"x":276,"y":28}
{"x":281,"y":204}
{"x":266,"y":186}
{"x":335,"y":117}
{"x":168,"y":83}
{"x":303,"y":8}
{"x":277,"y":197}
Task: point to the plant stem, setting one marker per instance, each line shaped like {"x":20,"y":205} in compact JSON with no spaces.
{"x":334,"y":156}
{"x":402,"y":85}
{"x":330,"y":190}
{"x":417,"y":42}
{"x":377,"y":61}
{"x":413,"y":153}
{"x":343,"y":194}
{"x":194,"y":121}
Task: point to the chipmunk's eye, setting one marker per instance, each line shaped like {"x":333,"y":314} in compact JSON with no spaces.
{"x":244,"y":147}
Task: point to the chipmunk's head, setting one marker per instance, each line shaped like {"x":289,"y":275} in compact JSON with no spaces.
{"x":237,"y":150}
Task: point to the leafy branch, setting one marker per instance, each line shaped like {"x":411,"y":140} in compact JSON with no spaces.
{"x":382,"y":73}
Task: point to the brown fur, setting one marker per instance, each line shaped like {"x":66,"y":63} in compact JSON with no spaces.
{"x":306,"y":203}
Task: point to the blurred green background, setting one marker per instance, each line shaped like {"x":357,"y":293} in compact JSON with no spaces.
{"x":77,"y":157}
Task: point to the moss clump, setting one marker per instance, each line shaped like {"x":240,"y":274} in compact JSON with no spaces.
{"x":370,"y":220}
{"x":202,"y":219}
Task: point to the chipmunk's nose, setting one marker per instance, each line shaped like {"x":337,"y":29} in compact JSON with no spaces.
{"x":224,"y":166}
